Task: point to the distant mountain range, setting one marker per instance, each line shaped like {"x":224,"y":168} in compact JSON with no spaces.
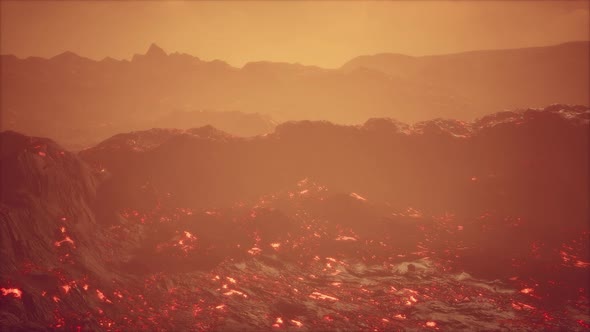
{"x":79,"y":101}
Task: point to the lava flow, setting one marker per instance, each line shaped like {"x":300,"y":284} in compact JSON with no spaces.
{"x":150,"y":244}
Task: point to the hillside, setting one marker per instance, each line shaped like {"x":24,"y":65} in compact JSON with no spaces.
{"x":442,"y":224}
{"x":497,"y":79}
{"x":79,"y":101}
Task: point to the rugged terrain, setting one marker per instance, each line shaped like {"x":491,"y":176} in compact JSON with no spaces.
{"x":442,"y":225}
{"x":79,"y":101}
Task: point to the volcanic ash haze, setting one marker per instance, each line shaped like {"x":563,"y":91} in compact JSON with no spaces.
{"x":80,"y":102}
{"x":330,"y":173}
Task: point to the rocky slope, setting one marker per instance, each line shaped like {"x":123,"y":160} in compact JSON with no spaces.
{"x":79,"y":101}
{"x":441,"y":225}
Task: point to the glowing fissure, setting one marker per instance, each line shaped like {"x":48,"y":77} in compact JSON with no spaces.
{"x":14,"y":292}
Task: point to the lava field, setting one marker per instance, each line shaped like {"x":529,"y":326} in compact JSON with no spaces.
{"x":443,"y":225}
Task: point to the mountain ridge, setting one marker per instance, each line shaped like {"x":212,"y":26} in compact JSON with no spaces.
{"x":80,"y":101}
{"x":160,"y":50}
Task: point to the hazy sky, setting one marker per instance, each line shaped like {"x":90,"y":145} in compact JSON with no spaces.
{"x":326,"y":33}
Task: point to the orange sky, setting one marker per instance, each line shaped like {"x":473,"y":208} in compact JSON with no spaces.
{"x":327,"y":33}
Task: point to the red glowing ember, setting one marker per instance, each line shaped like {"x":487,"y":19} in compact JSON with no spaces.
{"x":15,"y":292}
{"x":357,"y":196}
{"x":66,"y":240}
{"x":320,"y":296}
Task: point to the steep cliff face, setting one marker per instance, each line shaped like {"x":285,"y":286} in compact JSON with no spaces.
{"x":43,"y":188}
{"x":49,"y":233}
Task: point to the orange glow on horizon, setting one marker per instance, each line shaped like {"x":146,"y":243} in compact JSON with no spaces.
{"x":325,"y":34}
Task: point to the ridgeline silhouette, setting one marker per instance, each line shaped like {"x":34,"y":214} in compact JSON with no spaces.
{"x":80,"y":102}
